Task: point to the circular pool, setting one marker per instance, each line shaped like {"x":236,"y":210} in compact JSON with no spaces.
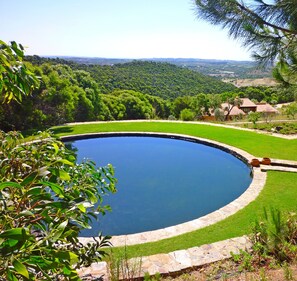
{"x":162,"y":181}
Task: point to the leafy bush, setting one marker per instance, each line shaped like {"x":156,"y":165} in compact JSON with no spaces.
{"x":45,"y":201}
{"x":244,"y":260}
{"x":219,"y":114}
{"x":187,"y":115}
{"x":291,"y":110}
{"x":282,"y":128}
{"x":276,"y":236}
{"x":254,"y":117}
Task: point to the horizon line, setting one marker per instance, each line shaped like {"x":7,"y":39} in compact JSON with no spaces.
{"x":143,"y":58}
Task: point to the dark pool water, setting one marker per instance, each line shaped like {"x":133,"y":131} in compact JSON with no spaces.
{"x":162,"y":181}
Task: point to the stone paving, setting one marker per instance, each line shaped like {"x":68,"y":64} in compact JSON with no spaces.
{"x":197,"y":256}
{"x":171,"y":263}
{"x":281,"y":166}
{"x":266,"y":168}
{"x":288,"y":163}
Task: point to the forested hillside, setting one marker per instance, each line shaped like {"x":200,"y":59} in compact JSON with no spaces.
{"x":165,"y":80}
{"x":138,"y":90}
{"x":161,"y":79}
{"x":214,"y":68}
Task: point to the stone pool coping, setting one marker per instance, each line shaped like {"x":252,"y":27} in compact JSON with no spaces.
{"x":257,"y":184}
{"x":171,"y":263}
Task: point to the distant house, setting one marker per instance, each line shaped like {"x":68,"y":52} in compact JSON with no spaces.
{"x":266,"y":108}
{"x":243,"y":109}
{"x":235,"y":111}
{"x":247,"y":105}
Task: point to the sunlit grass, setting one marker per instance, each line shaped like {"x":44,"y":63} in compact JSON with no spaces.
{"x":256,"y":144}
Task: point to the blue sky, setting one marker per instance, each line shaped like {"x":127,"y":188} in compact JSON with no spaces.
{"x":115,"y":29}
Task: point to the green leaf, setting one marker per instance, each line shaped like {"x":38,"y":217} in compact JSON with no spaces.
{"x":73,"y":258}
{"x":59,"y":230}
{"x":56,"y":148}
{"x":15,"y":233}
{"x":9,"y":184}
{"x":81,"y":207}
{"x":11,"y":242}
{"x":26,"y":213}
{"x":91,"y":196}
{"x":34,"y":191}
{"x":55,"y":188}
{"x":10,"y":275}
{"x":66,"y":162}
{"x":20,"y":268}
{"x":64,"y":175}
{"x":70,"y":256}
{"x":59,"y":205}
{"x":29,"y":179}
{"x":18,"y":49}
{"x":66,"y":270}
{"x":60,"y":173}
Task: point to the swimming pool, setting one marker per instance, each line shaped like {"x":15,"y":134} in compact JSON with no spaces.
{"x":162,"y":181}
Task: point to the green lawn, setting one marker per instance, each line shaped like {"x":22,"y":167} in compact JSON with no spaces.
{"x":279,"y":192}
{"x":256,"y":144}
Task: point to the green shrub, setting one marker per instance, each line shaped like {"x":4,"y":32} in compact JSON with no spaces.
{"x":279,"y":127}
{"x":45,"y":201}
{"x":187,"y":115}
{"x":219,"y":114}
{"x":244,"y":260}
{"x":276,"y":236}
{"x":291,"y":110}
{"x":254,"y":117}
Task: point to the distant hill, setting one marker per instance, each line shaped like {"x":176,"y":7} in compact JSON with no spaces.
{"x":225,"y":68}
{"x":154,"y":78}
{"x":216,"y":68}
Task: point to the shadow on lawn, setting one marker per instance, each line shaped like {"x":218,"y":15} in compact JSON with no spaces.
{"x":62,"y":130}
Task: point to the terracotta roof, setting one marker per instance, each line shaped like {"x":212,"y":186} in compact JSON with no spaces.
{"x":234,"y":111}
{"x":247,"y":103}
{"x":266,"y":107}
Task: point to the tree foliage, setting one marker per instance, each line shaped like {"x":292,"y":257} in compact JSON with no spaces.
{"x":254,"y":117}
{"x":164,"y":80}
{"x":45,"y":200}
{"x":16,"y":80}
{"x":187,"y":115}
{"x":64,"y":96}
{"x":267,"y":27}
{"x":69,"y":94}
{"x":291,"y":110}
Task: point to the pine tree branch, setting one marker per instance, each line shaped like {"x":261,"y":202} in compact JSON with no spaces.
{"x":260,"y":20}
